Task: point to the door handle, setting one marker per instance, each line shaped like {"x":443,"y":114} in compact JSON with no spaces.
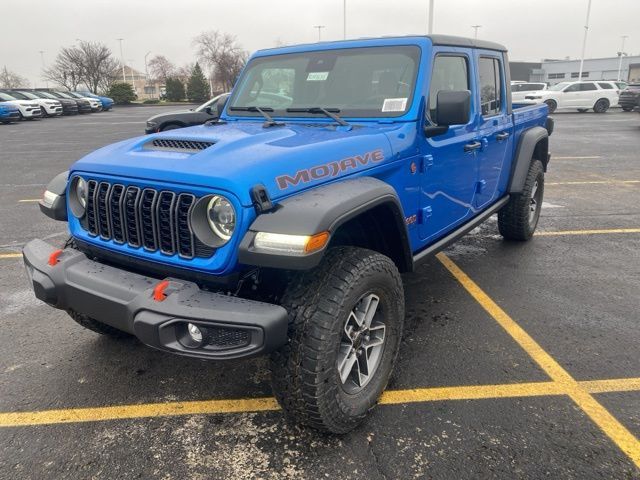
{"x":502,"y":136}
{"x":470,"y":147}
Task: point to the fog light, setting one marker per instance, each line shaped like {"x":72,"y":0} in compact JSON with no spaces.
{"x":195,"y":333}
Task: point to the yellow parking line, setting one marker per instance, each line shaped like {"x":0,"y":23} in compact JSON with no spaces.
{"x":10,"y":255}
{"x":603,"y":231}
{"x":617,"y":432}
{"x":594,"y":182}
{"x":29,"y":200}
{"x":262,"y":404}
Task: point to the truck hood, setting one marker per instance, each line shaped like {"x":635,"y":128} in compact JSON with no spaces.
{"x":285,"y":159}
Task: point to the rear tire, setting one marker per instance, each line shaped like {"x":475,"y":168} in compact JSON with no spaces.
{"x":627,"y":109}
{"x":552,"y":105}
{"x":318,"y":376}
{"x":582,"y":110}
{"x":601,"y":106}
{"x":518,"y":219}
{"x":96,"y":326}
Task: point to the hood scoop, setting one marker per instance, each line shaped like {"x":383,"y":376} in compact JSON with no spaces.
{"x":177,"y":145}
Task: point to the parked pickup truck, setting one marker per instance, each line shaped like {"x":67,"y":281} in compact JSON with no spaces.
{"x":282,"y":226}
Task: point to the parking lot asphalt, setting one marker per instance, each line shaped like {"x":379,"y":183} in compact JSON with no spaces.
{"x":518,"y":361}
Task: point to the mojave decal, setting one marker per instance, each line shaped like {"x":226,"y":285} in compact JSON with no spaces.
{"x":331,"y":169}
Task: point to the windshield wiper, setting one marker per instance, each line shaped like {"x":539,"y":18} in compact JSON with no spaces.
{"x":269,"y":121}
{"x":329,"y":112}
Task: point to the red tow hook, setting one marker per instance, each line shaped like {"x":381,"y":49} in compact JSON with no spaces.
{"x":54,"y":257}
{"x":158,"y":291}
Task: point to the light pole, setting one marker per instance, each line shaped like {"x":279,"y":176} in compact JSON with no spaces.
{"x":344,"y":19}
{"x":620,"y":54}
{"x":430,"y":28}
{"x":124,"y":78}
{"x":475,"y":30}
{"x":146,"y":69}
{"x":319,"y":27}
{"x":46,"y":82}
{"x":584,"y":40}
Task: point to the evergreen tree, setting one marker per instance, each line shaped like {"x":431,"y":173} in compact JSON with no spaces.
{"x":197,"y":88}
{"x":174,"y":89}
{"x":121,"y":93}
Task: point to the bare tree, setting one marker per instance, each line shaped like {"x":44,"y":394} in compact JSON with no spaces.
{"x":222,"y":55}
{"x":89,"y":63}
{"x":161,"y":68}
{"x":9,"y":79}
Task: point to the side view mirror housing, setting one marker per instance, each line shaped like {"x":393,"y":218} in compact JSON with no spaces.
{"x":453,"y":107}
{"x":208,"y":111}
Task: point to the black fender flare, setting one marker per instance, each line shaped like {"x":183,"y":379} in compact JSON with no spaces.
{"x":534,"y":140}
{"x":323,"y":209}
{"x":58,"y":208}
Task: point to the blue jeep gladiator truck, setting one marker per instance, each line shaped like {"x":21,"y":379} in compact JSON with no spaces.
{"x":282,"y":226}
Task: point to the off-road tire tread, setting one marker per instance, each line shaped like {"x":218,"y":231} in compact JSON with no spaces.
{"x":299,"y":369}
{"x":513,"y":218}
{"x":96,"y":326}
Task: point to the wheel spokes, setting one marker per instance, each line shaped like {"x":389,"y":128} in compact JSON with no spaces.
{"x":346,"y":363}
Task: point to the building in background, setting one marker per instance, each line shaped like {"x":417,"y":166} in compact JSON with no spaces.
{"x":144,"y":89}
{"x":526,"y":71}
{"x":556,"y":71}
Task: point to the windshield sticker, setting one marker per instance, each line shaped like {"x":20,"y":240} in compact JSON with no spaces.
{"x":331,"y":169}
{"x":317,"y":76}
{"x":394,"y":104}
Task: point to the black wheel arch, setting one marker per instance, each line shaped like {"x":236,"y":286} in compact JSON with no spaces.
{"x":533,"y":144}
{"x":363,"y":212}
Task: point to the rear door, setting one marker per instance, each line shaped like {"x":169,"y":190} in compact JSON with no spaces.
{"x":495,"y":126}
{"x":449,"y":160}
{"x":589,"y":94}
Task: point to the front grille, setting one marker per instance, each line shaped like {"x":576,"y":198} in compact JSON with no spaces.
{"x":148,"y":218}
{"x":178,"y":145}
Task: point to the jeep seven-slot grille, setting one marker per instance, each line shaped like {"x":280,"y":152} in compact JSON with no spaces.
{"x":143,"y":217}
{"x":187,"y":145}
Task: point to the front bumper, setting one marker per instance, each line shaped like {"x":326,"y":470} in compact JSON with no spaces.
{"x":234,"y":327}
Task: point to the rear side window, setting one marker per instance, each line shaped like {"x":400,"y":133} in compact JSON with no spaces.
{"x":490,"y":86}
{"x":606,"y":86}
{"x":450,"y":72}
{"x":532,"y":87}
{"x":587,"y":86}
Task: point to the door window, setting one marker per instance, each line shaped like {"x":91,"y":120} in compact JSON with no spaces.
{"x":490,"y":86}
{"x":584,"y":87}
{"x":450,"y":72}
{"x":572,"y":88}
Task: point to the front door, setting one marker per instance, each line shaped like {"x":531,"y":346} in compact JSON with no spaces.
{"x":449,"y":160}
{"x":495,"y":126}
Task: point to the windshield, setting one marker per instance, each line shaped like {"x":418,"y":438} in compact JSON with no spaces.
{"x":19,"y":96}
{"x":28,"y":95}
{"x":73,"y":94}
{"x":46,"y":95}
{"x":559,"y":86}
{"x":357,"y":82}
{"x":4,"y":96}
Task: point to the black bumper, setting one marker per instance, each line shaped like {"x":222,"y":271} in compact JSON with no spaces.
{"x":233,"y":327}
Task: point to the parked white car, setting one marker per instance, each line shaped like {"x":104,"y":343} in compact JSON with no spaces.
{"x":519,"y":89}
{"x":96,"y":104}
{"x":29,"y":109}
{"x":50,"y":108}
{"x":580,"y":96}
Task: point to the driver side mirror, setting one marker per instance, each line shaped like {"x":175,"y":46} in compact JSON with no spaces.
{"x":453,"y":107}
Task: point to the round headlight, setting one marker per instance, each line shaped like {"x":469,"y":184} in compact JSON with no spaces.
{"x":221,"y":217}
{"x":78,"y":194}
{"x":81,"y":192}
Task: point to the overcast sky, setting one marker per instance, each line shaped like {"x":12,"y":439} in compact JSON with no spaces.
{"x":531,"y":29}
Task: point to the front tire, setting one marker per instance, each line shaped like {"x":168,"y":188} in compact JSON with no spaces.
{"x":627,"y":109}
{"x":345,"y":326}
{"x":96,"y":326}
{"x":518,"y":219}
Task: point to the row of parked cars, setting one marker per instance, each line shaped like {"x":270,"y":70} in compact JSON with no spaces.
{"x":581,"y":96}
{"x":23,"y":104}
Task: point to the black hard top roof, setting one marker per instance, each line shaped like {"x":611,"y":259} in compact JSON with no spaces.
{"x":453,"y":41}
